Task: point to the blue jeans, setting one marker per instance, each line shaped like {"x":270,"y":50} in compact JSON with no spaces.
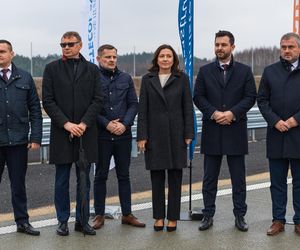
{"x":62,"y":194}
{"x":121,"y":150}
{"x":278,"y":173}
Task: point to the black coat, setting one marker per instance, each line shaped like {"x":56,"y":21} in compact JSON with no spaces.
{"x":165,"y":119}
{"x":236,"y":94}
{"x":75,"y":98}
{"x":279,"y":99}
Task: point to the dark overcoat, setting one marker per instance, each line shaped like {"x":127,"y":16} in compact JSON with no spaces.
{"x":165,"y":119}
{"x":237,"y":94}
{"x":279,"y":99}
{"x":74,"y":96}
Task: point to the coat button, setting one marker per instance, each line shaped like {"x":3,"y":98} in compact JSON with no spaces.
{"x":224,"y":105}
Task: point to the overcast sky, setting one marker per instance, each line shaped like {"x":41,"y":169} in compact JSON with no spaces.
{"x":145,"y":24}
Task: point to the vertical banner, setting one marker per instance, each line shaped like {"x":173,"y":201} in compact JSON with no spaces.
{"x":90,"y":29}
{"x":296,"y":16}
{"x":186,"y":34}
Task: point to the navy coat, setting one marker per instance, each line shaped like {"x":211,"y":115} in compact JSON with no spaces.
{"x":165,"y":119}
{"x":279,"y":99}
{"x":236,"y":94}
{"x":20,"y":110}
{"x":119,"y":102}
{"x":76,"y":98}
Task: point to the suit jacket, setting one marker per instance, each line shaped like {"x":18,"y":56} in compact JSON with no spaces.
{"x":278,"y":99}
{"x":237,"y":94}
{"x":165,"y":119}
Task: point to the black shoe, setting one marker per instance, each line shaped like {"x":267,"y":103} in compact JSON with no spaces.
{"x":86,"y":229}
{"x":206,"y":223}
{"x":26,"y":228}
{"x":158,"y":228}
{"x":241,"y":224}
{"x":62,"y":229}
{"x":171,"y":229}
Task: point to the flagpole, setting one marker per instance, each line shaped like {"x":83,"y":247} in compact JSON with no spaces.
{"x":186,"y":33}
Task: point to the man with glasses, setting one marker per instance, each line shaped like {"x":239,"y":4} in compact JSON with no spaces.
{"x":72,"y":99}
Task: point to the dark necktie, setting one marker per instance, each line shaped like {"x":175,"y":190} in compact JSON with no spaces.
{"x":4,"y":71}
{"x":225,"y":69}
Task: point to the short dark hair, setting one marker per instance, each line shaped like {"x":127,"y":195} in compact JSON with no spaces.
{"x":105,"y":46}
{"x":290,"y":35}
{"x":222,"y":33}
{"x":175,"y":67}
{"x":8,"y":43}
{"x":69,"y":34}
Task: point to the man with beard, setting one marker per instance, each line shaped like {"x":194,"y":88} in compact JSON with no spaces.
{"x":279,"y":102}
{"x":224,"y":92}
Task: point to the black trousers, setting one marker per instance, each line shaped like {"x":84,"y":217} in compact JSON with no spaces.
{"x":121,"y":150}
{"x":174,"y":194}
{"x":212,"y":165}
{"x":16,"y":161}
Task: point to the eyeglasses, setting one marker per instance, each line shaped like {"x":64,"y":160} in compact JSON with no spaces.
{"x":71,"y":44}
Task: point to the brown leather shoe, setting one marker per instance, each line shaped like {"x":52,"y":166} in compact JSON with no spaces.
{"x":276,"y":228}
{"x":297,"y":229}
{"x":132,"y":220}
{"x":98,"y":222}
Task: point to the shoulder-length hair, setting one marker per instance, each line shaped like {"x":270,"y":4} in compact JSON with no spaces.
{"x":175,"y":67}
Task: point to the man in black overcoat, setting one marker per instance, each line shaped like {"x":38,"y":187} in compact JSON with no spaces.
{"x":224,"y":92}
{"x":279,"y":102}
{"x":72,"y":99}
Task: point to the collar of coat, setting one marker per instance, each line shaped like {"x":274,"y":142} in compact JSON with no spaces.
{"x":155,"y":73}
{"x":231,"y":64}
{"x":287,"y":65}
{"x":109,"y":73}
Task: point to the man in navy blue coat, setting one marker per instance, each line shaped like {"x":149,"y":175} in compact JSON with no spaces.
{"x":279,"y":102}
{"x":224,"y":92}
{"x":114,"y":134}
{"x":20,"y":110}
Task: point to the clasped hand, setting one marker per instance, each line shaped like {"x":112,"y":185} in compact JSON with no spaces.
{"x":116,"y":127}
{"x":223,"y":118}
{"x":75,"y":129}
{"x":284,"y":126}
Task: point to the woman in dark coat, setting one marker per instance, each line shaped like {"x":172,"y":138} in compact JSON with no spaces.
{"x":164,"y":129}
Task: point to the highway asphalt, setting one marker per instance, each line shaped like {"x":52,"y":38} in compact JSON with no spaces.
{"x":40,"y":177}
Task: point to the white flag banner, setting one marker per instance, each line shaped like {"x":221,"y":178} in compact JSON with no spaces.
{"x":90,"y":29}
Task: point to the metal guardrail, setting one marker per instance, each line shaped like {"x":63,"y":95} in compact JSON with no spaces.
{"x":255,"y":121}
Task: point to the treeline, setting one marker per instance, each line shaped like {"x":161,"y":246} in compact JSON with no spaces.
{"x":257,"y":58}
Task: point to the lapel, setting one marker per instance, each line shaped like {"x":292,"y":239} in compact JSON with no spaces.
{"x":14,"y":75}
{"x":172,"y":77}
{"x":229,"y":73}
{"x":218,"y":73}
{"x":81,"y":68}
{"x":154,"y":79}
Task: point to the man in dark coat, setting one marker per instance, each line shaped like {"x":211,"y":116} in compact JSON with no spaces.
{"x":20,"y":110}
{"x":72,"y":99}
{"x":114,"y":134}
{"x":279,"y":102}
{"x":224,"y":92}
